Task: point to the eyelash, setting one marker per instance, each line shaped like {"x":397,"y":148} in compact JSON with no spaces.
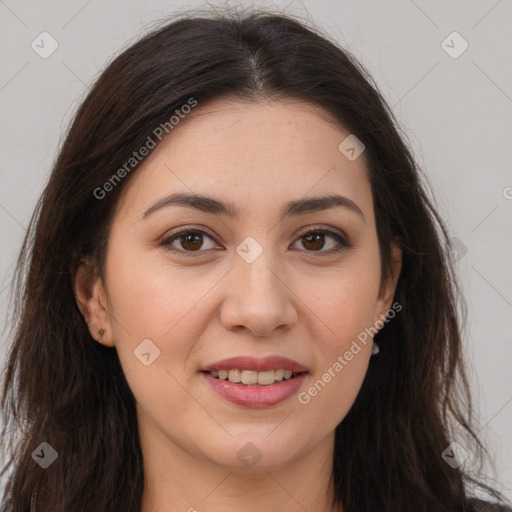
{"x":343,"y":243}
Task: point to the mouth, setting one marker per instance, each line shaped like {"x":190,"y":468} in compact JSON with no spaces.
{"x":256,"y":382}
{"x":255,"y":378}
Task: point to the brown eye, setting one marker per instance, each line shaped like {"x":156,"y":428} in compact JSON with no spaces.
{"x":314,"y":242}
{"x":316,"y":239}
{"x":188,"y":242}
{"x":191,"y":242}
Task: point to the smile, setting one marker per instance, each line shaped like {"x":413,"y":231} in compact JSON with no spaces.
{"x":255,"y":395}
{"x":254,"y":378}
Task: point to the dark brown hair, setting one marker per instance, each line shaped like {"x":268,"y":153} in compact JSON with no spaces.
{"x":63,"y":388}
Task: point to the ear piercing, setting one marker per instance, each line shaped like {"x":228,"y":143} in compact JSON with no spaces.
{"x":100,"y":334}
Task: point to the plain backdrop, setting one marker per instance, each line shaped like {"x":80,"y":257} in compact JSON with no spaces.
{"x":454,"y":106}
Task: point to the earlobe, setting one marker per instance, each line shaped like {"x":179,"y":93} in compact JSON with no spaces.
{"x":91,"y":300}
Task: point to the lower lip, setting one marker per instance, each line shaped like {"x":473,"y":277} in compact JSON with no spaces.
{"x":256,"y":396}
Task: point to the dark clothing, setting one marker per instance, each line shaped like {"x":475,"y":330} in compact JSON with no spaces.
{"x":478,"y":505}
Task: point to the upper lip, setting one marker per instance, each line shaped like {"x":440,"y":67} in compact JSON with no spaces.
{"x":256,"y":364}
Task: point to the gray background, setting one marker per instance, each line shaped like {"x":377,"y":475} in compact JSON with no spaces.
{"x":456,"y":113}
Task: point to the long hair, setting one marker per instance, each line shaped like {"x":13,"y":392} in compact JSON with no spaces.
{"x":64,"y":389}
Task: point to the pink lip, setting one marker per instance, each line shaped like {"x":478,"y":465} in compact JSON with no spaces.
{"x":256,"y":364}
{"x":255,"y":396}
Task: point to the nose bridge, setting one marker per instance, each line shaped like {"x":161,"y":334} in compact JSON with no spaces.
{"x":256,"y":268}
{"x":259,"y":299}
{"x":259,"y":278}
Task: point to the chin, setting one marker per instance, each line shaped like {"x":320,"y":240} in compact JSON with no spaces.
{"x":249,"y":453}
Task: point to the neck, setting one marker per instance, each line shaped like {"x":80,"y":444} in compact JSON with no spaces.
{"x":175,"y":480}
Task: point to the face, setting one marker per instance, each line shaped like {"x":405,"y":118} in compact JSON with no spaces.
{"x":269,"y":283}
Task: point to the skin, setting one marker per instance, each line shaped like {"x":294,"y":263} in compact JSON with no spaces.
{"x":294,"y":300}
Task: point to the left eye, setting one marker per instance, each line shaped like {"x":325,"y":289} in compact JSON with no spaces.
{"x":315,"y":238}
{"x":192,"y":241}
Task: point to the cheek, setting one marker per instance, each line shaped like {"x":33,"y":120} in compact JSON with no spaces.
{"x":157,"y":302}
{"x":331,"y":392}
{"x":343,"y":303}
{"x":343,"y":307}
{"x":153,"y":297}
{"x":153,"y":301}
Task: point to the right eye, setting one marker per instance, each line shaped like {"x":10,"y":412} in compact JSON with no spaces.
{"x":190,"y":240}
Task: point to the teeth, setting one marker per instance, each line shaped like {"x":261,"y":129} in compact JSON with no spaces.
{"x":234,"y":376}
{"x":266,"y":378}
{"x":251,"y":377}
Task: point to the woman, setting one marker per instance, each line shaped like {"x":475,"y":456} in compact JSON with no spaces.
{"x":238,"y":294}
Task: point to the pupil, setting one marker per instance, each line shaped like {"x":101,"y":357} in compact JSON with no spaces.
{"x":319,"y":238}
{"x":190,"y":239}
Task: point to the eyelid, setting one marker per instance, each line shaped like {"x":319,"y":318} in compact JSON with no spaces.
{"x":320,"y":228}
{"x":339,"y":236}
{"x":171,"y":237}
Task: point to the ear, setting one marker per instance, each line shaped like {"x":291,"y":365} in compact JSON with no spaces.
{"x":388,"y":285}
{"x":92,"y":301}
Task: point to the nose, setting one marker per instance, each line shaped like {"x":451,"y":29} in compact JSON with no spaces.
{"x":258,"y":298}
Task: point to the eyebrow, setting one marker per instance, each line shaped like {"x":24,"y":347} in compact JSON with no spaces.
{"x":215,"y":206}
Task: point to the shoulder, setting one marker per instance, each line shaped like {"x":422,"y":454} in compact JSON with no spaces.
{"x":478,"y":505}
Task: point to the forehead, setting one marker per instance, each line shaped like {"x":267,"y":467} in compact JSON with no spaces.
{"x":255,"y":154}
